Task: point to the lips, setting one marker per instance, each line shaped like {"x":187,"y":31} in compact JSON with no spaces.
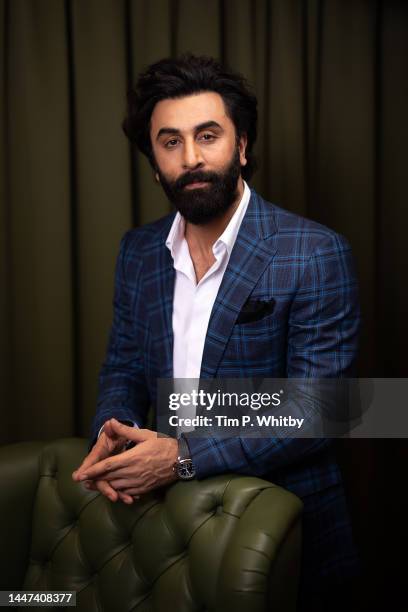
{"x":197,"y":184}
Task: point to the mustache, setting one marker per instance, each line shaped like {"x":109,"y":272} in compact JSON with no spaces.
{"x":195,"y":177}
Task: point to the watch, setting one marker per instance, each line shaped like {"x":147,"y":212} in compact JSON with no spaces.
{"x":184,"y":467}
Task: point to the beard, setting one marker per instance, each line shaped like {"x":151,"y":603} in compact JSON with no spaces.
{"x":202,"y":205}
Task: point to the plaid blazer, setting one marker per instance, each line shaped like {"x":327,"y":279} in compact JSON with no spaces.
{"x":307,"y":270}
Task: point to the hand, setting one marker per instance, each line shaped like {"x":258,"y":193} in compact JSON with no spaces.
{"x":145,"y":467}
{"x":109,"y":443}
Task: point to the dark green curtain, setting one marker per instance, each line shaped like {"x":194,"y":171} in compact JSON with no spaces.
{"x":331,"y":80}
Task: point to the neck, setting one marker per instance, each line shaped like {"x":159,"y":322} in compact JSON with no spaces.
{"x":202,"y":237}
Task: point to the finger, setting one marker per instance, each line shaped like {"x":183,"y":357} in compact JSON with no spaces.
{"x":108,"y":429}
{"x":96,"y":454}
{"x":106,"y":490}
{"x":120,"y":473}
{"x":123,"y":483}
{"x":99,"y":486}
{"x":127,"y":499}
{"x":131,"y":433}
{"x":101,"y":469}
{"x":134,"y":492}
{"x":90,"y":485}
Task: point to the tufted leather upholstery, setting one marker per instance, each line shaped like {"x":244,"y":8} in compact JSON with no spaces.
{"x":225,"y":543}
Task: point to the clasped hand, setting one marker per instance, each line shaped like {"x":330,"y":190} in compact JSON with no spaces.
{"x":124,"y":475}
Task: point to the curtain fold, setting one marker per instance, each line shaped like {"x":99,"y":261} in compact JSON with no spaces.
{"x":102,"y":197}
{"x":5,"y":311}
{"x":38,"y":221}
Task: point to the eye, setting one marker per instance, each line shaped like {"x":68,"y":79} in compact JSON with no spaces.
{"x":170,"y":144}
{"x":207,"y":137}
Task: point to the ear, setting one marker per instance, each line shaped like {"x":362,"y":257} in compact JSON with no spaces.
{"x":242,"y":144}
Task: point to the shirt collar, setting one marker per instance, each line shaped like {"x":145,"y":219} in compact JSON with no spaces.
{"x":176,"y":234}
{"x":230,"y":233}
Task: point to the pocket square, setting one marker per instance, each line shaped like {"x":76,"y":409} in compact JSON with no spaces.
{"x":254,"y":310}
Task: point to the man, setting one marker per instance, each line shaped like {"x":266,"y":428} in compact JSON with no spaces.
{"x":188,"y":290}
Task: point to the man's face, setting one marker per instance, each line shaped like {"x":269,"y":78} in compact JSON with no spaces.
{"x":197,"y":155}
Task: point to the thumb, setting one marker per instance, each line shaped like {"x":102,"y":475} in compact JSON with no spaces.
{"x":131,"y":433}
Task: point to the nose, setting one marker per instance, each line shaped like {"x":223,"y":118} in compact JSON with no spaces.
{"x":192,"y":157}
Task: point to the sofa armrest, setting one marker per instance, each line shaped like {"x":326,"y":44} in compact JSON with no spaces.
{"x":224,"y":543}
{"x":19,"y":480}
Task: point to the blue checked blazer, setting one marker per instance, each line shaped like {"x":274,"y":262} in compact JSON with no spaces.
{"x":307,"y":269}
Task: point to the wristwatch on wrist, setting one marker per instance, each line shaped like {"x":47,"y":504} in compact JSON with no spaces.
{"x":184,"y":467}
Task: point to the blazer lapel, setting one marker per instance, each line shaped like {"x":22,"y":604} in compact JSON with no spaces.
{"x":159,"y":279}
{"x":253,"y":250}
{"x":165,"y":323}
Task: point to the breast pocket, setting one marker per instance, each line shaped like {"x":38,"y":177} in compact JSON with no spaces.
{"x":258,"y":347}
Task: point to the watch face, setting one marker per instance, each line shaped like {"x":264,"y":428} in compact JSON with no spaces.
{"x":185,"y":469}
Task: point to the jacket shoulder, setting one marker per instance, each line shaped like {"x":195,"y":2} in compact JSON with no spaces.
{"x":149,"y":235}
{"x":295,"y":227}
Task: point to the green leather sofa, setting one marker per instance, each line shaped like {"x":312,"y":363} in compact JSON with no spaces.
{"x":228,"y":543}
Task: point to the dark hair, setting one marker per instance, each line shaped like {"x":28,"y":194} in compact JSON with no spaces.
{"x":184,"y":76}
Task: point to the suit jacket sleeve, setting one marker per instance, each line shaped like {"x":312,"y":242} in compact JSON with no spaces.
{"x":321,"y":342}
{"x":123,"y":391}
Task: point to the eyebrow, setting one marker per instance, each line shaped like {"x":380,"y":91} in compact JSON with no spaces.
{"x":197,"y":128}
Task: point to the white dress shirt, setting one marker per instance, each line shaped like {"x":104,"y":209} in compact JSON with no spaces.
{"x":192,"y":301}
